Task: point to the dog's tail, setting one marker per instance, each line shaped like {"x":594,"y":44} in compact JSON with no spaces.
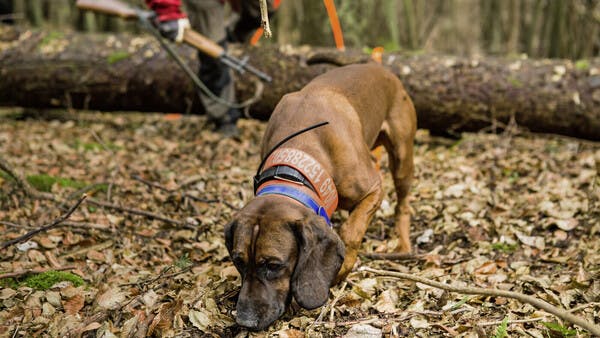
{"x":337,"y":58}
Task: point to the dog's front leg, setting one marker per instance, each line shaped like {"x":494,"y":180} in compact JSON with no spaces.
{"x":353,"y":230}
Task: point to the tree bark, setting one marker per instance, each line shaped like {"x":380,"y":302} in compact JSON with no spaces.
{"x":451,"y":94}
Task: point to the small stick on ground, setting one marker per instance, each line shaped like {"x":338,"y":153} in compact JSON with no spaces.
{"x":35,"y":271}
{"x":512,"y":321}
{"x":134,"y":211}
{"x":47,"y":227}
{"x":392,"y":256}
{"x":538,"y":303}
{"x":151,"y":184}
{"x":22,"y":182}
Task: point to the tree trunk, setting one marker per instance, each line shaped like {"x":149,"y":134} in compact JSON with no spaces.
{"x":451,"y":94}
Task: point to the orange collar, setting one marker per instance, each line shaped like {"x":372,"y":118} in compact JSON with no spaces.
{"x":325,"y":192}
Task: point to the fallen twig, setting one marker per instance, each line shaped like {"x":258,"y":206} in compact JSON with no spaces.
{"x":45,"y":227}
{"x":530,"y":320}
{"x":151,"y":184}
{"x":561,"y":313}
{"x":206,"y":200}
{"x":35,"y":271}
{"x":134,"y":211}
{"x":22,"y":182}
{"x":391,"y":256}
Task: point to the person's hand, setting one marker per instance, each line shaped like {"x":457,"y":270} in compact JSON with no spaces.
{"x":173,"y":29}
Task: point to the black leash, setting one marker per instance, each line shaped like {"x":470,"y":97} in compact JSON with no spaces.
{"x":262,"y":163}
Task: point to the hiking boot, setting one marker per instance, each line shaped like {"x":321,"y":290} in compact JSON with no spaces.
{"x":229,"y":130}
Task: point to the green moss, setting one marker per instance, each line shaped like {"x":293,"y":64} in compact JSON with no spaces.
{"x":515,"y":82}
{"x":54,"y":35}
{"x":5,"y":176}
{"x":504,"y":247}
{"x":45,"y":182}
{"x":44,"y":281}
{"x":116,"y":57}
{"x":582,"y":65}
{"x":93,"y":146}
{"x":8,"y":283}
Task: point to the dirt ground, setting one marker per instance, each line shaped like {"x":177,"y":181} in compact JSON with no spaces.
{"x":512,"y":210}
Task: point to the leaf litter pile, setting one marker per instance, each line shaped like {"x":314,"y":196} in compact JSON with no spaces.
{"x":512,"y":211}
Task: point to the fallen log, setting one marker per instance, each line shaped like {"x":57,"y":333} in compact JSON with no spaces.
{"x":451,"y":94}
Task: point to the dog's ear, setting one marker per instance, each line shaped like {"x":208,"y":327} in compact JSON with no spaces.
{"x":320,"y":257}
{"x":229,"y":231}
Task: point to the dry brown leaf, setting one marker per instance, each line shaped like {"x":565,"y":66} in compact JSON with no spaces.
{"x":163,"y":321}
{"x":74,"y":304}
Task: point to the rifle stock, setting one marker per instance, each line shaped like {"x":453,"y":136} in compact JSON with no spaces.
{"x":206,"y":45}
{"x":190,"y":36}
{"x":110,"y":7}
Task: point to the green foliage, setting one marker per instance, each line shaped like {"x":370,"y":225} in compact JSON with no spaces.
{"x":94,"y":146}
{"x":183,"y":261}
{"x":557,"y":328}
{"x":5,"y":176}
{"x":502,"y":328}
{"x":515,"y":82}
{"x":9,"y":283}
{"x":45,"y":280}
{"x":53,"y":35}
{"x":504,"y":247}
{"x":116,"y":57}
{"x":460,"y":303}
{"x":582,"y":65}
{"x":45,"y":182}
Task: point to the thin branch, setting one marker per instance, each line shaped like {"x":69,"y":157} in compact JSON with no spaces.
{"x":22,"y":182}
{"x":70,"y":224}
{"x":392,"y":256}
{"x":35,"y":271}
{"x":530,"y":320}
{"x":151,"y":184}
{"x":134,"y":211}
{"x":54,"y":223}
{"x":538,"y":303}
{"x":206,"y":200}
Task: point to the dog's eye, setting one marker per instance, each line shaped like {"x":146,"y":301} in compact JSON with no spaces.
{"x":272,"y":270}
{"x":274,"y":267}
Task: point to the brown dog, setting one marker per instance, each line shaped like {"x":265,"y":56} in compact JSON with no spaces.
{"x":281,"y":242}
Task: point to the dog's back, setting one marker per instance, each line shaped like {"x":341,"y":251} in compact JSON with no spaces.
{"x":346,"y":97}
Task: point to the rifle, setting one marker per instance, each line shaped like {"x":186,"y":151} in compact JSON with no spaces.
{"x":190,"y":36}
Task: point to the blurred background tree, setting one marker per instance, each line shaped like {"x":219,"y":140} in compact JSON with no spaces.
{"x":538,"y":28}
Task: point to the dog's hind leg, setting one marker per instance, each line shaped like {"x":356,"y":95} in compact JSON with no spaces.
{"x":397,"y":138}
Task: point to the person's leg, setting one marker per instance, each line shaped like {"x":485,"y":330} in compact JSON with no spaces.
{"x":6,"y":9}
{"x":208,"y":18}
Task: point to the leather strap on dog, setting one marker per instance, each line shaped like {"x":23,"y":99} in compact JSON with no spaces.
{"x":312,"y":170}
{"x":282,"y":172}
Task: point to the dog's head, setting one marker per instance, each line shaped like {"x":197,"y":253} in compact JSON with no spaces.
{"x":281,"y":249}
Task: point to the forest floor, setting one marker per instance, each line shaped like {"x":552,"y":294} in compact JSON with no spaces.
{"x":513,"y":210}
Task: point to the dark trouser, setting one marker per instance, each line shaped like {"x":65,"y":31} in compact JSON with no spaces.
{"x":208,"y":18}
{"x":6,"y":8}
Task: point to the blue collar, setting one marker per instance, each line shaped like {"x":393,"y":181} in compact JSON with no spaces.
{"x":306,"y":200}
